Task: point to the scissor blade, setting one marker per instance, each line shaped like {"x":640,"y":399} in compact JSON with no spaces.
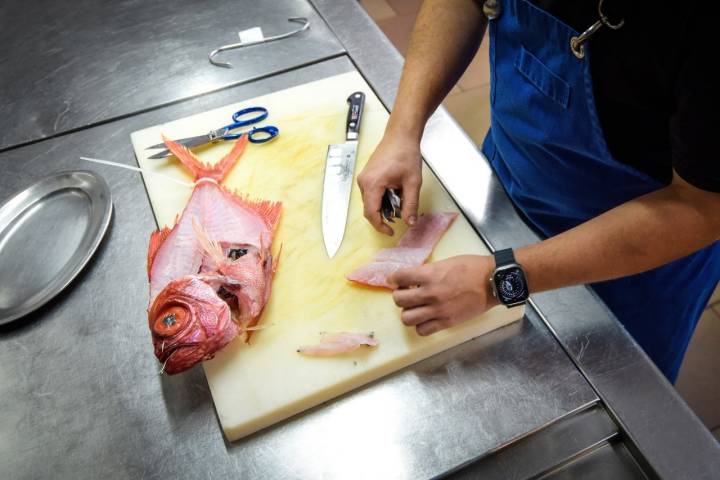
{"x":157,"y":145}
{"x":161,"y":154}
{"x":188,"y":142}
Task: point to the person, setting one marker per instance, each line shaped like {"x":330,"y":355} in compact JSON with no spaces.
{"x":604,"y":142}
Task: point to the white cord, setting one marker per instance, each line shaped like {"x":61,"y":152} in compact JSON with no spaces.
{"x":136,"y":169}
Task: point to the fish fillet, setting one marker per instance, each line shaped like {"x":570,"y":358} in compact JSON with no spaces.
{"x":332,"y":344}
{"x":413,"y":249}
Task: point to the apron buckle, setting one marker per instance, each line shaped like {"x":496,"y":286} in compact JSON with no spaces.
{"x":576,"y":43}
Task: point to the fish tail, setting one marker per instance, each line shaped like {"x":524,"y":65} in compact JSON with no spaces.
{"x":201,"y":169}
{"x":187,"y":158}
{"x":228,"y":161}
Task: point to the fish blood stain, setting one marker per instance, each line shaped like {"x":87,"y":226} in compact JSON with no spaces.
{"x":236,"y":253}
{"x":169,"y":320}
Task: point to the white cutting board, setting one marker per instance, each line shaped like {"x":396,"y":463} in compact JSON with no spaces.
{"x":255,"y":385}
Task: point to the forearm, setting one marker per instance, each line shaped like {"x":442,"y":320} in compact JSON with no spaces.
{"x":446,"y":36}
{"x":634,"y":237}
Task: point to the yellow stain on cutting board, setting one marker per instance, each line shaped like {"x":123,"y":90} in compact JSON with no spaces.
{"x":256,"y":385}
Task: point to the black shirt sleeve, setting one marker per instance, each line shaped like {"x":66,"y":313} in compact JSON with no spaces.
{"x":695,"y":122}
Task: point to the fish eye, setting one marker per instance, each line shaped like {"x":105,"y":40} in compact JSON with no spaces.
{"x":170,"y":321}
{"x":236,"y":253}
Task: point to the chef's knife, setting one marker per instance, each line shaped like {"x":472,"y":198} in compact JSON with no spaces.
{"x":339,"y":173}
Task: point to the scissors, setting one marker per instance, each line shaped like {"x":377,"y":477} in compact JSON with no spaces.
{"x":255,"y":134}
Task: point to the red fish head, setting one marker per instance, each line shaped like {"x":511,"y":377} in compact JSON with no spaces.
{"x":189,"y":323}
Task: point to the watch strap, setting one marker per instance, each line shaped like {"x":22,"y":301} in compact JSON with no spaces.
{"x":504,"y":257}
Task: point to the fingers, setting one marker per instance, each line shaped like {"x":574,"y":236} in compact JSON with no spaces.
{"x":371,"y":200}
{"x":411,"y":196}
{"x":433,"y":326}
{"x":418,"y":315}
{"x":409,"y":277}
{"x":411,"y":297}
{"x":421,"y":307}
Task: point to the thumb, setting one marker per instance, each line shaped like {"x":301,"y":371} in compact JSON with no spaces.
{"x":411,"y":196}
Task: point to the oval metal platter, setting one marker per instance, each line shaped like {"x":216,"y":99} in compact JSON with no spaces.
{"x":48,"y":233}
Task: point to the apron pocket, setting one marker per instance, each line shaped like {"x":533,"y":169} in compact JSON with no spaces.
{"x":543,"y":78}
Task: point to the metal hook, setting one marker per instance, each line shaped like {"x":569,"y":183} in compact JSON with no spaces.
{"x":606,"y":21}
{"x":302,"y":20}
{"x":576,"y":43}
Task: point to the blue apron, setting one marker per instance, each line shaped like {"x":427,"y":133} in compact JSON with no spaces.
{"x":548,"y":149}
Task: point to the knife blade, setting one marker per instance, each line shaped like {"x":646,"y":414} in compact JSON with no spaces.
{"x":339,"y":173}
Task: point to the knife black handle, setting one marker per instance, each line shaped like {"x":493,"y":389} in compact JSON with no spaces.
{"x":355,"y":101}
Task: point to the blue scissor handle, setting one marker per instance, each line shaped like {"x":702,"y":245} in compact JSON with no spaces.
{"x":237,"y":123}
{"x":256,"y":134}
{"x":263,"y":113}
{"x":262,"y":134}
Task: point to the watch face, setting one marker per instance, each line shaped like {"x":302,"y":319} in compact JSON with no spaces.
{"x":510,"y":285}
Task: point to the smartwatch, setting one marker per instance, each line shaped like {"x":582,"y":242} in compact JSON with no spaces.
{"x":508,"y":281}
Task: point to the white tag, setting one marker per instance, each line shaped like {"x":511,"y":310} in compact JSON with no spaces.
{"x":251,"y":35}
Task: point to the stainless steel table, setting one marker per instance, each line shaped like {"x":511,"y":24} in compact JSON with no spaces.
{"x":562,"y":393}
{"x":68,"y":65}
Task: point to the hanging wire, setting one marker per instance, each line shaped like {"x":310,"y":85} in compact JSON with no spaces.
{"x":301,"y":20}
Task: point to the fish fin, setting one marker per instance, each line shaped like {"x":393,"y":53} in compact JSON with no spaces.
{"x":269,"y":210}
{"x":228,"y":161}
{"x":247,"y":325}
{"x":211,"y":247}
{"x":157,"y":238}
{"x":251,"y":327}
{"x":262,"y":248}
{"x":276,"y":260}
{"x":187,"y":158}
{"x":201,"y":169}
{"x":248,"y":331}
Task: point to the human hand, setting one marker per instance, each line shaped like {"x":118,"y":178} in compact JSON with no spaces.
{"x":396,"y":163}
{"x":441,"y":294}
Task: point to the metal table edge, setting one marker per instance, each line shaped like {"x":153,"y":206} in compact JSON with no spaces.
{"x":177,"y":101}
{"x":579,"y":409}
